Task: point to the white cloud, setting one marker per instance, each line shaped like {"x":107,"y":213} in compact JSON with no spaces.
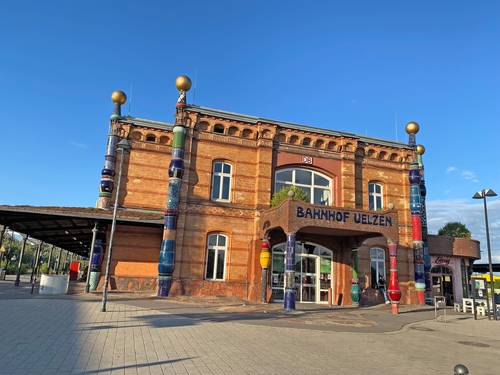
{"x":471,"y":213}
{"x":83,"y":146}
{"x":464,"y":173}
{"x":468,"y":175}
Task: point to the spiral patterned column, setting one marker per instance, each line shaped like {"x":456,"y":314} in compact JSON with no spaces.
{"x":393,"y":291}
{"x":97,"y":255}
{"x":166,"y":262}
{"x":108,"y":172}
{"x":425,"y":236}
{"x":416,"y":209}
{"x":290,"y":292}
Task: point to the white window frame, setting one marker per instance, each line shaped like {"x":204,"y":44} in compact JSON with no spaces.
{"x":221,"y":174}
{"x":216,"y":249}
{"x":377,"y":256}
{"x":374,"y":195}
{"x":312,"y":186}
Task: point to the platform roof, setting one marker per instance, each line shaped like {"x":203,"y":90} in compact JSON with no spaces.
{"x":70,"y":228}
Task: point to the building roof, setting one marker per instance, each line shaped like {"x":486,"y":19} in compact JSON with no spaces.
{"x":69,"y":228}
{"x":254,"y":120}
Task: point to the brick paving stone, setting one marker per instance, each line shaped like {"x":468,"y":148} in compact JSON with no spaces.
{"x":71,"y":335}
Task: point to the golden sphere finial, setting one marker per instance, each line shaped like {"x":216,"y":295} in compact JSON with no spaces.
{"x":118,"y":97}
{"x":420,"y":149}
{"x":412,"y":127}
{"x":183,"y":83}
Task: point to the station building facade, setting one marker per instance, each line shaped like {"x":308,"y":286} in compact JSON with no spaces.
{"x":357,"y":207}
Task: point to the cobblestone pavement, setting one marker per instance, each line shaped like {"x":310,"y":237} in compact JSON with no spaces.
{"x":70,"y":335}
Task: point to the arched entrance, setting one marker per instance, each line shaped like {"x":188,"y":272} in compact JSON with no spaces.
{"x":442,"y":283}
{"x":313,"y":272}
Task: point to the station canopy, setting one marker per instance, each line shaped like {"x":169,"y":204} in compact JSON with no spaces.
{"x":70,"y":228}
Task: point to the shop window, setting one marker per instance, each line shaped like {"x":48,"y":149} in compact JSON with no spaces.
{"x":150,"y":138}
{"x":221,"y":181}
{"x":317,"y":186}
{"x":377,"y":266}
{"x":375,"y":196}
{"x":216,"y":256}
{"x":218,"y":128}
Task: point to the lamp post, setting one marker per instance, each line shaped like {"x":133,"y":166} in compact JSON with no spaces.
{"x":482,"y":195}
{"x":122,"y":147}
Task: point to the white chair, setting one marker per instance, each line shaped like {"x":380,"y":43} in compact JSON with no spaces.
{"x":467,"y":305}
{"x":481,"y":310}
{"x":457,"y":307}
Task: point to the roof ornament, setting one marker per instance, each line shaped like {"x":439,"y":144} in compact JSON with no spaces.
{"x":119,"y":98}
{"x":183,"y":84}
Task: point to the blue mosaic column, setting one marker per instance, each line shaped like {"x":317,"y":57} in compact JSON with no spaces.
{"x":108,"y":172}
{"x":425,"y":235}
{"x":97,"y":254}
{"x":416,"y":209}
{"x":290,"y":291}
{"x":166,"y":262}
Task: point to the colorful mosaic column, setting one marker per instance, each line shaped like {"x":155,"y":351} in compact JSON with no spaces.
{"x":265,"y":261}
{"x":289,"y":301}
{"x":97,"y":255}
{"x":416,"y":209}
{"x":425,"y":236}
{"x":355,"y":292}
{"x":108,"y":172}
{"x":166,"y":262}
{"x":393,"y":291}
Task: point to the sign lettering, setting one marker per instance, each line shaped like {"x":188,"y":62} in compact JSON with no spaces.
{"x":345,"y":216}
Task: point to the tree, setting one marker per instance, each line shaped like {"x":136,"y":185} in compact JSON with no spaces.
{"x":281,"y":195}
{"x":455,"y":229}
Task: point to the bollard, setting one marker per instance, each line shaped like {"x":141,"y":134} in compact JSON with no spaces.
{"x":460,"y":370}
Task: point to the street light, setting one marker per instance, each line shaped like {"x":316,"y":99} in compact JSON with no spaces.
{"x":482,"y":195}
{"x":122,"y":147}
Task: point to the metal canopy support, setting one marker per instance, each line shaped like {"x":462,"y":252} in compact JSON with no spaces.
{"x":19,"y":264}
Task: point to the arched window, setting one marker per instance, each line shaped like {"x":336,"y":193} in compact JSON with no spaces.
{"x":317,"y":186}
{"x":306,"y":141}
{"x":164,"y":140}
{"x":233,"y":130}
{"x":218,"y":128}
{"x":377,"y":266}
{"x":135,"y":136}
{"x":150,"y":138}
{"x":216,"y":256}
{"x":246,"y":133}
{"x":331,"y":145}
{"x":375,"y":196}
{"x":221,"y":181}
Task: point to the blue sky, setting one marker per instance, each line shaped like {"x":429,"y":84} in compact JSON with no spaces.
{"x":366,"y":67}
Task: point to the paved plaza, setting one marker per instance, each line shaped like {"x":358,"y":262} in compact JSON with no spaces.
{"x":142,"y":335}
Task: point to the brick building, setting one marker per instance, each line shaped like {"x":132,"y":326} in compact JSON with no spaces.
{"x":357,"y":205}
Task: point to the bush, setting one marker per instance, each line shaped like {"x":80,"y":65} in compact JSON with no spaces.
{"x":281,"y":195}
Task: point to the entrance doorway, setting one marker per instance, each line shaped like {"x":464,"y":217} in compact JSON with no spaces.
{"x":313,"y":272}
{"x":442,"y":283}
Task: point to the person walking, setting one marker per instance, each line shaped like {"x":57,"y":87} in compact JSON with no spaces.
{"x":381,"y":288}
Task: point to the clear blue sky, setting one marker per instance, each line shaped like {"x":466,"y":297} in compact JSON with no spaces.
{"x":366,"y":67}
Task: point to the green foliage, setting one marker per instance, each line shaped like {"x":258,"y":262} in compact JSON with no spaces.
{"x":281,"y":195}
{"x":455,"y":229}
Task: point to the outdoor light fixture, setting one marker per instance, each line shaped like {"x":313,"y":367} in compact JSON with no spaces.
{"x":482,"y":195}
{"x":122,"y":147}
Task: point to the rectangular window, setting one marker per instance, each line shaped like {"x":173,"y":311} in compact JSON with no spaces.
{"x":216,"y":257}
{"x":221,"y":182}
